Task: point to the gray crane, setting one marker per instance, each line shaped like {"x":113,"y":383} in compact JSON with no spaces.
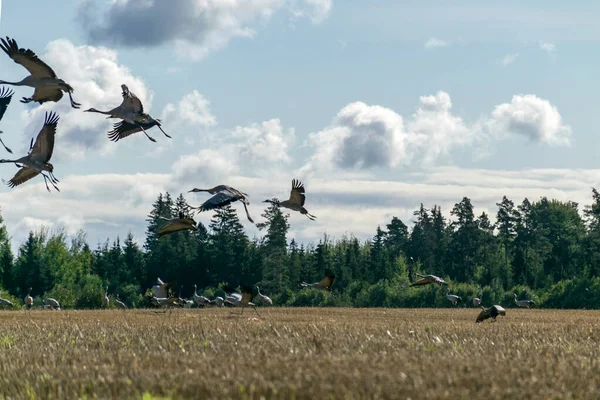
{"x":324,"y":284}
{"x":37,"y":160}
{"x":296,"y":200}
{"x":222,"y":196}
{"x":263,"y":299}
{"x":48,"y":87}
{"x":524,"y":303}
{"x":429,"y":279}
{"x":161,"y":289}
{"x":200,"y":300}
{"x":491,"y":312}
{"x":52,"y":303}
{"x":28,"y":300}
{"x":5,"y":97}
{"x":6,"y":303}
{"x":177,"y":224}
{"x":242,"y":300}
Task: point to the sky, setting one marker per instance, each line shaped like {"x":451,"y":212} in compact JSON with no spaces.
{"x":376,"y":107}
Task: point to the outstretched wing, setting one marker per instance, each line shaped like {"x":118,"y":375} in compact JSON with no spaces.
{"x":327,"y":281}
{"x":44,"y":143}
{"x":219,"y":200}
{"x":5,"y":97}
{"x":27,"y":59}
{"x":297,"y":195}
{"x":123,"y":129}
{"x":176,"y":226}
{"x":23,"y":175}
{"x":131,"y":101}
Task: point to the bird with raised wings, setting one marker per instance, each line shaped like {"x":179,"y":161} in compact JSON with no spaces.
{"x":131,"y":112}
{"x":180,"y":223}
{"x":491,"y":312}
{"x":48,"y":87}
{"x":162,"y":289}
{"x":222,"y":196}
{"x":296,"y":200}
{"x":324,"y":284}
{"x":429,"y":279}
{"x":5,"y":97}
{"x":37,"y":160}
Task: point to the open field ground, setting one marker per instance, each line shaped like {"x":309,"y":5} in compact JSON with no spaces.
{"x":299,"y":353}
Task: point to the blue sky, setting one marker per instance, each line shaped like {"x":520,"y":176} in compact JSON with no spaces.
{"x":375,"y":106}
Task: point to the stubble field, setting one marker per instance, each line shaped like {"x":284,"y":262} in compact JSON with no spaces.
{"x":299,"y":353}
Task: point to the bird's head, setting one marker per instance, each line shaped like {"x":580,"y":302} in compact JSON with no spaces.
{"x":196,"y":190}
{"x":125,"y":90}
{"x":273,"y":201}
{"x":90,"y":110}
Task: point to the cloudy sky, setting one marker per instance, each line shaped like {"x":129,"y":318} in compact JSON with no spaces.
{"x":376,"y":108}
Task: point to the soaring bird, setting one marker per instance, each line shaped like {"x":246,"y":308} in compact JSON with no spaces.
{"x":427,"y":279}
{"x":223,"y":195}
{"x":28,"y":300}
{"x":491,"y":312}
{"x":296,"y":200}
{"x":52,"y":303}
{"x":131,"y":111}
{"x":37,"y":160}
{"x":324,"y":284}
{"x":264,"y":299}
{"x":43,"y":79}
{"x":177,"y":224}
{"x":524,"y":303}
{"x":5,"y":97}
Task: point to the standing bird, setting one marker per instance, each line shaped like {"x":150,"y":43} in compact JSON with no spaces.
{"x":296,"y":200}
{"x":223,"y":195}
{"x":429,"y":279}
{"x":177,"y":224}
{"x":324,"y":284}
{"x":162,"y":289}
{"x":5,"y":97}
{"x":217,"y":301}
{"x":52,"y":303}
{"x":524,"y":303}
{"x":106,"y":299}
{"x":454,"y":299}
{"x":37,"y":160}
{"x":131,"y":111}
{"x":28,"y":300}
{"x":43,"y":79}
{"x":491,"y":312}
{"x":264,"y":299}
{"x":200,"y":300}
{"x":119,"y":303}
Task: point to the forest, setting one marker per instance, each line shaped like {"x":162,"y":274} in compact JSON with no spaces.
{"x":547,"y":251}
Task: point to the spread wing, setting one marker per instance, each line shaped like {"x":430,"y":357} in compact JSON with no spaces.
{"x":297,"y":195}
{"x":219,"y":200}
{"x":5,"y":97}
{"x":131,"y":101}
{"x":42,"y":95}
{"x":27,"y":59}
{"x":176,"y":226}
{"x":327,"y":281}
{"x":23,"y":175}
{"x":123,"y":129}
{"x":44,"y":143}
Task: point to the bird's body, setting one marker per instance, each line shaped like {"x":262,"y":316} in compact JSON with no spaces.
{"x":188,"y":303}
{"x":491,"y":312}
{"x":5,"y":97}
{"x":180,"y":223}
{"x":200,"y":300}
{"x":106,"y":299}
{"x":324,"y":284}
{"x":454,"y":299}
{"x":161,"y":289}
{"x":222,"y":196}
{"x":37,"y":160}
{"x":429,"y":279}
{"x":217,"y":301}
{"x":243,"y":299}
{"x":48,"y":87}
{"x":120,"y":304}
{"x":476,"y":301}
{"x":296,"y":200}
{"x":28,"y":300}
{"x":6,"y":303}
{"x":264,"y":300}
{"x":524,"y":303}
{"x":167,"y":301}
{"x":52,"y":303}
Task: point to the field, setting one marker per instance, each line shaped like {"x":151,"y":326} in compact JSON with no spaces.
{"x":304,"y":353}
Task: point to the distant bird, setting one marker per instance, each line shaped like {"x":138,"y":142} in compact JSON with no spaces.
{"x":181,"y":223}
{"x":217,"y":301}
{"x":162,"y":289}
{"x":119,"y":303}
{"x":454,"y":299}
{"x":106,"y":299}
{"x":28,"y":300}
{"x":428,"y":279}
{"x":37,"y":160}
{"x":524,"y":303}
{"x":244,"y":299}
{"x":296,"y":200}
{"x":223,"y":195}
{"x":5,"y":97}
{"x":264,"y":299}
{"x":131,"y":111}
{"x":169,"y":302}
{"x":52,"y":303}
{"x":43,"y":79}
{"x":324,"y":284}
{"x":200,"y":300}
{"x":491,"y":312}
{"x":188,"y":303}
{"x":476,"y":301}
{"x":6,"y":303}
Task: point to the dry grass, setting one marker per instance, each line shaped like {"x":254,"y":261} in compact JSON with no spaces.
{"x":299,"y":353}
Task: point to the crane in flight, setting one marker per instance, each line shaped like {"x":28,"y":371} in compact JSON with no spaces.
{"x":324,"y":284}
{"x":429,"y":279}
{"x":296,"y":200}
{"x":5,"y":98}
{"x":223,"y":195}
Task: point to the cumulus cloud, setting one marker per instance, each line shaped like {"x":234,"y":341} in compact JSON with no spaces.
{"x":509,"y":59}
{"x":193,"y":108}
{"x":96,"y":76}
{"x":363,"y":136}
{"x":435,"y":42}
{"x":193,"y":27}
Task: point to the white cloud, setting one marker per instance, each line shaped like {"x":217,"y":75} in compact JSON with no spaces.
{"x":547,"y":47}
{"x":509,"y":59}
{"x":193,"y":27}
{"x":193,"y":109}
{"x":363,"y":136}
{"x":435,"y":42}
{"x":97,"y":76}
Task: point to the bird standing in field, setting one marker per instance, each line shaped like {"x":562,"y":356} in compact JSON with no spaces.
{"x":491,"y":312}
{"x":5,"y":97}
{"x":524,"y":303}
{"x":296,"y":200}
{"x":223,"y":195}
{"x":454,"y":299}
{"x":181,"y":223}
{"x":119,"y":303}
{"x":428,"y":279}
{"x":324,"y":284}
{"x":42,"y":78}
{"x":52,"y":303}
{"x":200,"y":300}
{"x":28,"y":300}
{"x":263,"y":299}
{"x":37,"y":160}
{"x":106,"y":299}
{"x":131,"y":112}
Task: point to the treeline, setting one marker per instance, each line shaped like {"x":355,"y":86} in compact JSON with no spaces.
{"x":548,"y":251}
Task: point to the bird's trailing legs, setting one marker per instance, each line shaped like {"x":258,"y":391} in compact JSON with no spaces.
{"x":161,"y":129}
{"x":73,"y":103}
{"x":46,"y":179}
{"x":148,"y":136}
{"x":247,"y":214}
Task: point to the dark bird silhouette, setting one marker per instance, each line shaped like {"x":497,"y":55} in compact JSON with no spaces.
{"x":223,"y":195}
{"x":5,"y":97}
{"x":491,"y":312}
{"x":296,"y":200}
{"x":428,"y":279}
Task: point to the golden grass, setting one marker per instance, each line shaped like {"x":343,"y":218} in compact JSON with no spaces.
{"x":299,"y":353}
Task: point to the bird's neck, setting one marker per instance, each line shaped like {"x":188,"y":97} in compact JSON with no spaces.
{"x":20,"y":83}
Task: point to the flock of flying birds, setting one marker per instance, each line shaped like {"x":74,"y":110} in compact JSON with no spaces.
{"x":49,"y":88}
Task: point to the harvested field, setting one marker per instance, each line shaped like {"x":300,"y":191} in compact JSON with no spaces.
{"x":299,"y":353}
